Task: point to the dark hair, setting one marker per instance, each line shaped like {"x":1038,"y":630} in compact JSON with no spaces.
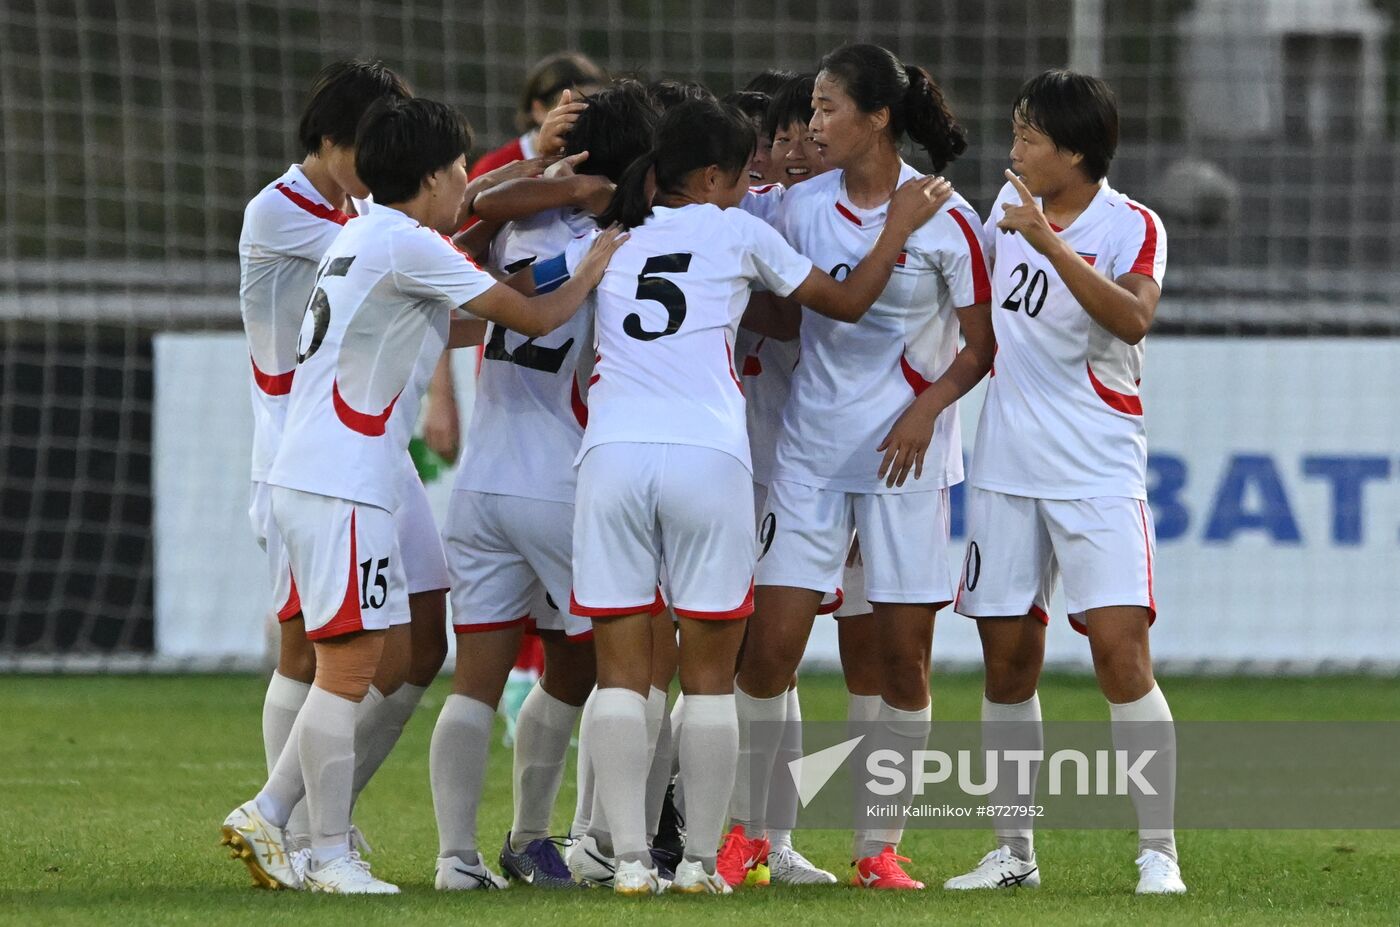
{"x":340,"y":94}
{"x":749,"y":102}
{"x":690,"y":136}
{"x":875,"y":78}
{"x":791,"y":103}
{"x":550,"y":77}
{"x":768,"y":81}
{"x":617,"y":128}
{"x":401,"y":142}
{"x":1078,"y":113}
{"x":666,"y":93}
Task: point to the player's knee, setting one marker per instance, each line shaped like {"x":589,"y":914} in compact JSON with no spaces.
{"x":1011,"y":679}
{"x":905,"y":681}
{"x":572,"y":678}
{"x":429,"y":654}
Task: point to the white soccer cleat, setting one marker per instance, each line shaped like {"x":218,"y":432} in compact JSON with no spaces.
{"x":262,"y":847}
{"x":456,"y":875}
{"x":692,"y":879}
{"x":588,"y":864}
{"x":1160,"y":875}
{"x":998,"y":869}
{"x":637,"y":878}
{"x":786,"y":866}
{"x":347,"y":875}
{"x":301,"y":861}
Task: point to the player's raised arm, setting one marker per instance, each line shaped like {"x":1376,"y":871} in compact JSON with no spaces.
{"x":914,"y":203}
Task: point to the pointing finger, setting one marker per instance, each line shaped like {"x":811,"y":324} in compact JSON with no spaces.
{"x":1026,"y":197}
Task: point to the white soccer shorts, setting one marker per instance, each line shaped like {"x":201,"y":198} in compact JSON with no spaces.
{"x":346,"y":566}
{"x":903,"y":541}
{"x":1018,"y":548}
{"x":832,"y":601}
{"x":509,"y":557}
{"x":424,"y":563}
{"x":853,"y":601}
{"x":284,"y":591}
{"x":642,"y":506}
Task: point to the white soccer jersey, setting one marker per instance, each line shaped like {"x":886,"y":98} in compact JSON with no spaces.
{"x":666,"y":314}
{"x":766,"y":368}
{"x":531,"y":407}
{"x":286,"y":229}
{"x":385,"y":290}
{"x":1062,"y":418}
{"x":855,"y":380}
{"x":764,"y":202}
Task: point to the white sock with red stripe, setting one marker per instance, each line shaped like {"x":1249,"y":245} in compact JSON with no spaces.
{"x":457,"y":758}
{"x":617,"y":727}
{"x":326,"y":743}
{"x":1007,"y":727}
{"x":542,"y":733}
{"x":904,"y":732}
{"x":1146,"y":724}
{"x":709,"y":752}
{"x":281,"y":705}
{"x":760,"y":734}
{"x":379,"y":728}
{"x":782,"y":790}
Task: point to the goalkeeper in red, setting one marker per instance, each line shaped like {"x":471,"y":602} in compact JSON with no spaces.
{"x":1058,"y":481}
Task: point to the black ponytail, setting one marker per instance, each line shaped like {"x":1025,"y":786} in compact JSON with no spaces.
{"x":929,"y":122}
{"x":690,"y":136}
{"x":875,"y":78}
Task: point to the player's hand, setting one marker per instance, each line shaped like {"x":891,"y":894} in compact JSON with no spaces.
{"x":1027,"y":218}
{"x":564,"y":167}
{"x":559,"y":122}
{"x":596,"y":260}
{"x":907,"y":442}
{"x":915,"y":202}
{"x":528,"y":167}
{"x":442,"y":429}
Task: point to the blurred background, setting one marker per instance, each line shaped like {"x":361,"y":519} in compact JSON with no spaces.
{"x":132,"y":133}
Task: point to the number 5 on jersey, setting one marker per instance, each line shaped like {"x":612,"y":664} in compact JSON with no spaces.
{"x":661,"y":290}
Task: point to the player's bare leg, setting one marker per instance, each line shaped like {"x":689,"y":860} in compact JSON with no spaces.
{"x":1142,"y":721}
{"x":1013,"y":652}
{"x":459,"y":750}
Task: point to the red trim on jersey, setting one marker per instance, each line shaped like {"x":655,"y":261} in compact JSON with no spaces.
{"x":292,"y":607}
{"x":346,"y":619}
{"x":1147,"y":546}
{"x":579,"y":406}
{"x":1088,"y":258}
{"x":917,"y":383}
{"x":489,"y":625}
{"x":1123,"y":402}
{"x":981,"y":283}
{"x":1039,"y":614}
{"x":847,"y":213}
{"x":597,"y":359}
{"x":655,"y":607}
{"x":903,"y":257}
{"x":319,"y":210}
{"x":470,"y":259}
{"x":500,"y":157}
{"x":763,"y":189}
{"x":273,"y":384}
{"x":371,"y":426}
{"x":744,"y":610}
{"x":1147,"y":254}
{"x":729,"y":363}
{"x":1053,"y":227}
{"x":830,"y":608}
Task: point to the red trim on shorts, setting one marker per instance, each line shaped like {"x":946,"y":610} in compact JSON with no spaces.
{"x":729,"y":363}
{"x":753,"y":366}
{"x":1147,"y":254}
{"x":489,"y":626}
{"x":371,"y":426}
{"x":582,"y":637}
{"x":832,"y":607}
{"x":1078,"y":626}
{"x":292,"y":607}
{"x":273,"y":384}
{"x":1039,"y":614}
{"x":655,"y":607}
{"x":319,"y":210}
{"x":1147,"y":548}
{"x":1132,"y":405}
{"x":578,"y":405}
{"x":744,"y":610}
{"x":347,"y":618}
{"x":981,"y":282}
{"x":916,"y":382}
{"x":847,"y":213}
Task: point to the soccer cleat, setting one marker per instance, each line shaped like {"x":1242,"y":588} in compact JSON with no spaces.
{"x":588,"y":863}
{"x":665,"y":863}
{"x":884,"y":872}
{"x":739,"y":854}
{"x":998,"y":869}
{"x":636,"y":879}
{"x":1160,"y":875}
{"x":455,"y":874}
{"x":539,"y":864}
{"x":790,"y":867}
{"x":692,"y":879}
{"x":262,"y":847}
{"x":301,"y":861}
{"x":759,"y":876}
{"x":347,"y":875}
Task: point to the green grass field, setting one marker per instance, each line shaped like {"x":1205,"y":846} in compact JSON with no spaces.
{"x":112,"y":790}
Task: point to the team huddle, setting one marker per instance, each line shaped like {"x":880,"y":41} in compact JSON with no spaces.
{"x":721,"y":345}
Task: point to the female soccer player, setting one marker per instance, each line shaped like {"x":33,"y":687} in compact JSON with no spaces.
{"x":1059,"y":469}
{"x":664,"y":466}
{"x":544,"y":84}
{"x":869,"y":438}
{"x":384,"y":293}
{"x":509,"y":534}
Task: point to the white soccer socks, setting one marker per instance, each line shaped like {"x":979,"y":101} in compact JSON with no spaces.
{"x":708,"y":755}
{"x":617,"y":733}
{"x":326,"y":745}
{"x":379,"y":728}
{"x":904,"y":732}
{"x":1007,"y":728}
{"x":457,"y":768}
{"x":781,"y":816}
{"x":542,"y":732}
{"x":1146,"y":724}
{"x":758,"y":751}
